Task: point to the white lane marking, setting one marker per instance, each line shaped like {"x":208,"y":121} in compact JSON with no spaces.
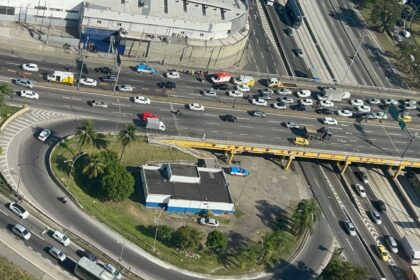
{"x":243,"y":119}
{"x":211,"y":115}
{"x":401,"y":142}
{"x":351,"y":247}
{"x":12,"y":63}
{"x":72,"y":107}
{"x":4,"y":213}
{"x":122,"y":105}
{"x":243,"y":134}
{"x":332,"y":212}
{"x":274,"y":121}
{"x":259,"y":136}
{"x":245,"y":126}
{"x":397,"y":134}
{"x":215,"y":131}
{"x":164,"y":110}
{"x":48,"y":69}
{"x":71,"y":98}
{"x":368,"y":131}
{"x":212,"y":123}
{"x":38,"y":236}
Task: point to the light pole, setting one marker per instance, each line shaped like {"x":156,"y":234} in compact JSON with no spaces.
{"x":354,"y":56}
{"x":122,"y":251}
{"x":74,"y":161}
{"x":158,"y":222}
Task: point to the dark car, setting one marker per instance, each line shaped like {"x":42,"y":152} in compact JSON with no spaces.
{"x":88,"y":254}
{"x":380,"y":205}
{"x":110,"y":78}
{"x":221,"y":86}
{"x":289,"y":31}
{"x":323,"y":111}
{"x":298,"y":107}
{"x":168,"y":85}
{"x":258,"y":113}
{"x":362,"y":177}
{"x":105,"y":70}
{"x":230,"y":118}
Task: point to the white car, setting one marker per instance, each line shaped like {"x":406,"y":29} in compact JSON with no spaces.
{"x":284,"y":91}
{"x":98,"y":104}
{"x":326,"y":103}
{"x":360,"y":190}
{"x":141,"y":100}
{"x":57,"y":253}
{"x":30,"y":67}
{"x":266,"y":91}
{"x":209,"y":222}
{"x":329,"y":121}
{"x":306,"y":102}
{"x":390,"y":101}
{"x":88,"y":82}
{"x":61,"y":238}
{"x":21,"y":231}
{"x":113,"y":270}
{"x":279,"y":105}
{"x":125,"y":88}
{"x":172,"y":75}
{"x":242,"y":88}
{"x":286,"y":99}
{"x":235,"y":93}
{"x":373,"y":101}
{"x":376,"y":217}
{"x":356,"y":102}
{"x":195,"y":107}
{"x":303,"y":93}
{"x":350,"y":228}
{"x":363,"y":108}
{"x":409,"y":106}
{"x":28,"y":94}
{"x":18,"y":210}
{"x":259,"y":102}
{"x":44,"y":134}
{"x":344,"y":113}
{"x":291,"y":125}
{"x":408,"y":101}
{"x":321,"y":97}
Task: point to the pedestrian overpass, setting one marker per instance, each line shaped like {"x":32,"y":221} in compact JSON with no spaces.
{"x":291,"y":152}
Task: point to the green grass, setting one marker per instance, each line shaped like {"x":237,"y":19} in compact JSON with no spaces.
{"x":9,"y":271}
{"x":6,"y":111}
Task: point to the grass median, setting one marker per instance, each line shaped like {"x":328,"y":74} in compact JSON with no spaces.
{"x":8,"y":270}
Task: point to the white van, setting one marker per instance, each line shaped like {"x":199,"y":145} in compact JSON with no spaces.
{"x":244,"y":80}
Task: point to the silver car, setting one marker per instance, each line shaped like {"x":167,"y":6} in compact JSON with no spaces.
{"x":209,"y":92}
{"x":125,"y":88}
{"x":24,"y":83}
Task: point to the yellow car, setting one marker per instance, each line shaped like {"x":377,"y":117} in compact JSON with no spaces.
{"x":383,"y":253}
{"x":301,"y":141}
{"x":405,"y":118}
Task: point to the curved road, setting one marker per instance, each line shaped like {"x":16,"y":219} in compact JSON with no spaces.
{"x":32,"y":156}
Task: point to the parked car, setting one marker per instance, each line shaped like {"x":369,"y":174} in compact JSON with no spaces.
{"x":298,"y":107}
{"x":373,"y":101}
{"x":363,"y":109}
{"x":279,"y":105}
{"x":323,"y":111}
{"x":58,"y":254}
{"x":344,"y":113}
{"x":389,"y":101}
{"x":356,"y":102}
{"x":18,"y":210}
{"x":238,"y":171}
{"x":306,"y":102}
{"x":242,"y":88}
{"x":209,"y":222}
{"x":61,"y":238}
{"x":221,"y":86}
{"x":303,"y":93}
{"x":259,"y":102}
{"x":283,"y":91}
{"x":235,"y":93}
{"x":326,"y":103}
{"x":286,"y":99}
{"x":44,"y":134}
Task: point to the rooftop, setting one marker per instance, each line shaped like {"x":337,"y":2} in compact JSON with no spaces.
{"x":184,"y":170}
{"x":212,"y":186}
{"x":204,"y":11}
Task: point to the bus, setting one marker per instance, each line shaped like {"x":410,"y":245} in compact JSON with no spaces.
{"x":294,"y":12}
{"x":87,"y":270}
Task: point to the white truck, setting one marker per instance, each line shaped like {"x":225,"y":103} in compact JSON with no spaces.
{"x":153,"y":123}
{"x":336,"y":94}
{"x":412,"y":248}
{"x":61,"y":77}
{"x":244,"y":80}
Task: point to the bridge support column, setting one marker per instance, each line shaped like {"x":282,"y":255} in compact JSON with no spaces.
{"x":231,"y":154}
{"x":289,"y":161}
{"x":400,"y":168}
{"x":390,"y":167}
{"x":346,"y":164}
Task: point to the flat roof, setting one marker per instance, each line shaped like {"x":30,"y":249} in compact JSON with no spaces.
{"x":203,"y":11}
{"x":212,"y":186}
{"x":184,"y":170}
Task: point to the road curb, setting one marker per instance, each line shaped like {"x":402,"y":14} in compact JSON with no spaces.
{"x":25,"y":108}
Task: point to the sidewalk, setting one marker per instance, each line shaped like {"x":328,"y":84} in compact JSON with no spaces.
{"x":30,"y":261}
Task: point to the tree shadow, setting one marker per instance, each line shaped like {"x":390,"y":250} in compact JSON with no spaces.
{"x":237,"y":241}
{"x":101,"y":142}
{"x":273,"y":216}
{"x":138,"y":194}
{"x":89,"y":186}
{"x":290,"y":271}
{"x":350,"y":17}
{"x":63,"y":164}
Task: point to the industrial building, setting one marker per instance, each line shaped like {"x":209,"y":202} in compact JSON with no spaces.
{"x":186,"y":189}
{"x":204,"y":33}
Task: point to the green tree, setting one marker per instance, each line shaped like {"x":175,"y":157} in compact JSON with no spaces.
{"x":248,"y":256}
{"x":187,"y":238}
{"x":94,"y":167}
{"x":406,"y":50}
{"x":85,"y":134}
{"x":217,"y":242}
{"x":275,"y":245}
{"x":305,"y":215}
{"x":164,"y":232}
{"x":117,"y":183}
{"x":126,"y":136}
{"x":338,"y":269}
{"x":385,"y":14}
{"x":5,"y":91}
{"x":110,"y":158}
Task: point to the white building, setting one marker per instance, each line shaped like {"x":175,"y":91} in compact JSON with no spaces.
{"x":186,"y":189}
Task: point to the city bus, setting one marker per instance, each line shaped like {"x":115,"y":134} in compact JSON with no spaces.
{"x":87,"y":270}
{"x":294,"y":12}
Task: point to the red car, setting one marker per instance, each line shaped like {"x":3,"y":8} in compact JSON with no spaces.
{"x":146,"y":115}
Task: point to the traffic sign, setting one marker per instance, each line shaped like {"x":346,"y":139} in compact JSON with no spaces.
{"x":393,"y":111}
{"x":402,"y":124}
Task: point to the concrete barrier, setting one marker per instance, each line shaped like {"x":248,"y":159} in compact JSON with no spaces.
{"x":24,"y":109}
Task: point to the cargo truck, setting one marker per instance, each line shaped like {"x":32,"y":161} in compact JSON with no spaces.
{"x":276,"y":83}
{"x":321,"y":134}
{"x":222,"y":77}
{"x":335,"y":94}
{"x":61,"y":77}
{"x":412,"y":248}
{"x":244,"y":80}
{"x":153,"y":123}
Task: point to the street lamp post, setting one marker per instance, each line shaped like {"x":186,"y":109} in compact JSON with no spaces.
{"x":353,"y":58}
{"x":156,"y":231}
{"x":122,"y":251}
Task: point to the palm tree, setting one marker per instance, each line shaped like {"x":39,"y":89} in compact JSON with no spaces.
{"x":248,"y":256}
{"x":85,"y":134}
{"x":94,"y":166}
{"x":126,"y":136}
{"x":5,"y":90}
{"x":275,"y":245}
{"x":305,"y":215}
